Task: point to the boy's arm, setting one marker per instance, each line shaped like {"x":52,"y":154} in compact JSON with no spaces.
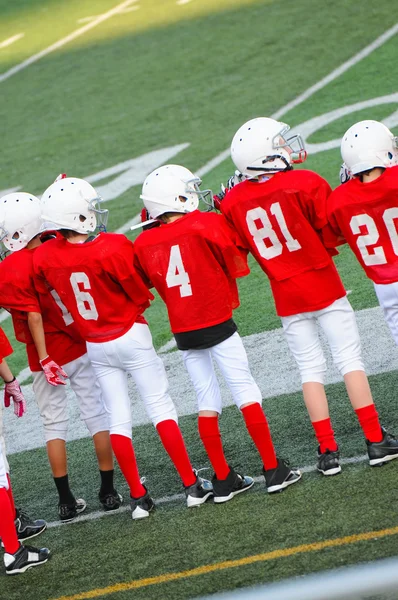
{"x":52,"y":371}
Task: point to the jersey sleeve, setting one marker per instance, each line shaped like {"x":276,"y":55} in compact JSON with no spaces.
{"x":331,"y":232}
{"x":121,"y":266}
{"x":17,"y":297}
{"x":5,"y":346}
{"x":313,"y":201}
{"x":228,"y":249}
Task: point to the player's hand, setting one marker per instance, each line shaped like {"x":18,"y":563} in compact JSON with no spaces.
{"x":345,"y":174}
{"x":60,"y":176}
{"x":12,"y":391}
{"x":53,"y":372}
{"x":236,"y":178}
{"x":145,"y":217}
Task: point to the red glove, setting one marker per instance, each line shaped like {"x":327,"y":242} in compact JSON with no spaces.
{"x":145,"y":217}
{"x":52,"y":371}
{"x":60,"y":176}
{"x":12,"y":391}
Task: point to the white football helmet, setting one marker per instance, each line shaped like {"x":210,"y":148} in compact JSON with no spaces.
{"x":172,"y":188}
{"x":367,"y":145}
{"x":20,"y":219}
{"x":72,"y":203}
{"x":261,"y":146}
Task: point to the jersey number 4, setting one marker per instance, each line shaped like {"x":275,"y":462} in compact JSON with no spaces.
{"x":265,"y":231}
{"x":176,"y":273}
{"x":377,"y":256}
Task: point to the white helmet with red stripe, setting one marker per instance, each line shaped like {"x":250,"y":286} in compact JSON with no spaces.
{"x":261,"y":146}
{"x":20,"y":219}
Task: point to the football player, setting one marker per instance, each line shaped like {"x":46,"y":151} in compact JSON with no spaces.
{"x":43,"y":324}
{"x":15,"y":525}
{"x":95,"y":279}
{"x":279,"y":214}
{"x":364,"y":211}
{"x":193,"y":262}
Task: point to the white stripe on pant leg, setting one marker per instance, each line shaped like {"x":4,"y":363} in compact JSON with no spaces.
{"x":387,"y":296}
{"x":231,"y":358}
{"x":3,"y":442}
{"x":200,"y":368}
{"x":302,"y":336}
{"x":339,"y":325}
{"x":85,"y":385}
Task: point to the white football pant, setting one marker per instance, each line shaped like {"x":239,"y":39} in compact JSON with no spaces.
{"x":387,"y":296}
{"x":230,"y":356}
{"x":131,"y":353}
{"x":339,"y":325}
{"x":4,"y":468}
{"x":53,"y":401}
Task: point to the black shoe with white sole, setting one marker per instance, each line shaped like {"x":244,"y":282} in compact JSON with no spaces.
{"x":69,"y":512}
{"x":234,"y":483}
{"x":26,"y":527}
{"x":25,"y":558}
{"x":198,"y":492}
{"x":281,"y":477}
{"x":141,"y":507}
{"x":328,"y":462}
{"x":111,"y":501}
{"x":384,"y":451}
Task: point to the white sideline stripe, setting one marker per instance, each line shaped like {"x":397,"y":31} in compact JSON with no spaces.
{"x":11,"y":40}
{"x":69,"y":38}
{"x":212,"y":164}
{"x":98,"y":514}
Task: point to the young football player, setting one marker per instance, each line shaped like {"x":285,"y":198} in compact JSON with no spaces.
{"x":279,"y":214}
{"x":95,"y":279}
{"x":364,"y":211}
{"x":42,"y":323}
{"x":192,"y":261}
{"x":15,"y":525}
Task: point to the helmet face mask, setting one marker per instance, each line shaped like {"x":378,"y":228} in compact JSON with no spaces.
{"x":368,"y":145}
{"x":73,"y":204}
{"x":20,"y":220}
{"x":262,"y":146}
{"x":172,"y":188}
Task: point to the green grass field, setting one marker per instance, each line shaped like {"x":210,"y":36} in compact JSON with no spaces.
{"x":160,"y":75}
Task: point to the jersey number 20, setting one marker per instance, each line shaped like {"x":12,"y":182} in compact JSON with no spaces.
{"x":377,"y":256}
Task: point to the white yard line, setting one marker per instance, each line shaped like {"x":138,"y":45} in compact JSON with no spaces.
{"x":69,"y":38}
{"x":11,"y":40}
{"x":98,"y":514}
{"x":181,"y":2}
{"x":121,"y":12}
{"x":4,"y":315}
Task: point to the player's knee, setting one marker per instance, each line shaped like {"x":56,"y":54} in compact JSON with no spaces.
{"x":97,"y":424}
{"x":168,"y":413}
{"x":313,"y":373}
{"x":123,"y":429}
{"x":248,"y":398}
{"x":350,"y":365}
{"x":56,"y":431}
{"x":349,"y":359}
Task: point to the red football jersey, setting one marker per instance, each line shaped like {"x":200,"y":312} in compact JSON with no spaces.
{"x":96,"y":281}
{"x":281,"y":221}
{"x":19,"y":295}
{"x":193,"y":263}
{"x":366,"y":216}
{"x":5,"y":346}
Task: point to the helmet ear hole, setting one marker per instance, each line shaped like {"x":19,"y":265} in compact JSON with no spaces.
{"x":182,"y":199}
{"x":82,"y":218}
{"x":15,"y":236}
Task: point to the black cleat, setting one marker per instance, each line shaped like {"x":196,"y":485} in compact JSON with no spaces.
{"x":26,"y":527}
{"x":198,"y":492}
{"x":111,"y":501}
{"x":69,"y":512}
{"x":328,"y":462}
{"x":141,"y":507}
{"x":25,"y":558}
{"x":234,"y":483}
{"x":281,"y":477}
{"x":384,"y":451}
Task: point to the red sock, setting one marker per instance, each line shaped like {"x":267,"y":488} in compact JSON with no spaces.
{"x":210,"y":435}
{"x":123,"y":449}
{"x":257,"y":426}
{"x":8,"y":533}
{"x":11,"y":497}
{"x":369,"y":421}
{"x":325,"y":435}
{"x":173,"y":442}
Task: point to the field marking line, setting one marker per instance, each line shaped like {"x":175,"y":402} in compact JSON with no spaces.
{"x":233,"y":564}
{"x":69,"y":38}
{"x":181,"y":2}
{"x":121,"y":12}
{"x":99,"y":514}
{"x":388,"y":34}
{"x":11,"y":40}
